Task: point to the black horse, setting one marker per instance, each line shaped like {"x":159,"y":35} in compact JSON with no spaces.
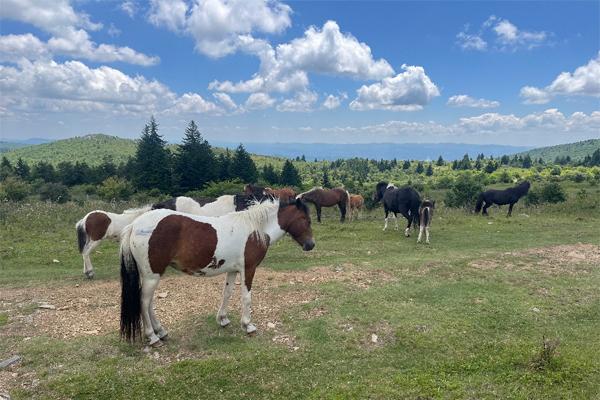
{"x":502,"y":197}
{"x":405,"y":201}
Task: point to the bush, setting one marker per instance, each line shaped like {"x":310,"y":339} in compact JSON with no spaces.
{"x":55,"y":192}
{"x":14,"y":189}
{"x":464,"y":192}
{"x":115,"y":189}
{"x":533,"y":198}
{"x":552,"y":192}
{"x":216,"y":189}
{"x":444,"y":182}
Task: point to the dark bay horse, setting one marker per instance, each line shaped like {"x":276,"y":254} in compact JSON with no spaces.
{"x":405,"y":201}
{"x":233,"y":244}
{"x":501,"y":197}
{"x":327,"y":198}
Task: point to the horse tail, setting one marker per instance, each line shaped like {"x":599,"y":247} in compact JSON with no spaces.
{"x":348,"y":205}
{"x":82,"y":237}
{"x":425,"y":218}
{"x":131,"y":307}
{"x":479,"y":204}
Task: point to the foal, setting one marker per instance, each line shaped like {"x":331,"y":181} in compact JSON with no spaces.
{"x":356,"y":204}
{"x":201,"y":246}
{"x":425,"y":217}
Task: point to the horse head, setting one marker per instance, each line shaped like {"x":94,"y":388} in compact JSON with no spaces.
{"x":379,"y":191}
{"x":294,"y":218}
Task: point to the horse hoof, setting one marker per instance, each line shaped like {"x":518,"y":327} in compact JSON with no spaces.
{"x":157,"y":344}
{"x":90,"y":274}
{"x":224,"y":321}
{"x":164,"y":337}
{"x":250,"y":329}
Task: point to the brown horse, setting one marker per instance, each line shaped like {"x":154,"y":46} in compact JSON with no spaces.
{"x":356,"y":204}
{"x":234,"y":244}
{"x":283,"y":194}
{"x":327,"y":198}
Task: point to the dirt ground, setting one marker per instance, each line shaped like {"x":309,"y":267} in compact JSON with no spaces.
{"x":92,"y":307}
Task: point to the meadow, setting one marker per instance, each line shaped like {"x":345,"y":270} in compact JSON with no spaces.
{"x":493,"y":308}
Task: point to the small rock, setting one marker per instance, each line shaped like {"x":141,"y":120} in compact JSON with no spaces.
{"x":63,"y":308}
{"x":26,"y":338}
{"x":162,"y":295}
{"x":270,"y":325}
{"x":374,"y":338}
{"x":369,"y":252}
{"x":10,"y":361}
{"x":156,"y":355}
{"x":77,"y":285}
{"x":92,"y":332}
{"x":489,"y":223}
{"x":535,"y":309}
{"x":524,"y":215}
{"x":47,"y":306}
{"x":295,"y":348}
{"x":55,"y":261}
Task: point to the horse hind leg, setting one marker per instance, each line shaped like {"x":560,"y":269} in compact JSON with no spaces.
{"x":427,"y":234}
{"x":343,"y":210}
{"x":227,"y":290}
{"x":420,"y":234}
{"x":485,"y":207}
{"x":149,"y":284}
{"x":510,"y":207}
{"x":395,"y":221}
{"x":386,"y":220}
{"x":156,"y":326}
{"x":318,"y":213}
{"x":88,"y":268}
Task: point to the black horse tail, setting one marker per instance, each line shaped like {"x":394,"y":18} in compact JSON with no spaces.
{"x":82,"y":237}
{"x":131,"y":307}
{"x":479,"y":204}
{"x":425,"y":216}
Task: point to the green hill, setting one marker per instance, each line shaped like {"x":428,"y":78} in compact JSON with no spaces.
{"x":90,"y":148}
{"x":577,"y":150}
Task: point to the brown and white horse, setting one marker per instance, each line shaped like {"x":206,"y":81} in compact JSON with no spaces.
{"x":99,"y":225}
{"x":425,"y":217}
{"x":327,"y":198}
{"x":201,"y":246}
{"x":356,"y":204}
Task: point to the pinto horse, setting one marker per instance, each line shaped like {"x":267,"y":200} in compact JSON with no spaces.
{"x":201,"y":246}
{"x":99,"y":225}
{"x":404,"y":200}
{"x":425,"y":217}
{"x":327,"y":198}
{"x":356,"y":204}
{"x":502,"y":197}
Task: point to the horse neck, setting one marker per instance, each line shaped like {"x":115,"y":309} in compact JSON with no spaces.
{"x":223,"y":205}
{"x":265,"y":225}
{"x":120,"y":221}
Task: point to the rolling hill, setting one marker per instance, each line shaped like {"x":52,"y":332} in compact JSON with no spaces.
{"x":577,"y":150}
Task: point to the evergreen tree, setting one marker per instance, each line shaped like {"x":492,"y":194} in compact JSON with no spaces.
{"x":490,"y":167}
{"x":465,"y":163}
{"x":44,"y":171}
{"x":504,"y":160}
{"x":290,"y":175}
{"x":455,"y":164}
{"x":152,"y":161}
{"x":224,"y":163}
{"x":420,"y":168}
{"x":440,"y":161}
{"x":406,"y":165}
{"x":195,"y":163}
{"x":22,"y":169}
{"x":269,"y":174}
{"x":527,"y":161}
{"x":242,"y":166}
{"x":429,"y":171}
{"x":6,"y":168}
{"x":326,"y":182}
{"x":478,"y":164}
{"x":303,"y":158}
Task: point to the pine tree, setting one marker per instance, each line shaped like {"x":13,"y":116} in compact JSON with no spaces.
{"x":44,"y":171}
{"x":22,"y":169}
{"x":290,"y":175}
{"x":152,"y":161}
{"x":465,"y":163}
{"x":326,"y":182}
{"x":195,"y":163}
{"x":504,"y":160}
{"x":406,"y":165}
{"x":6,"y":168}
{"x":242,"y":166}
{"x":224,"y":163}
{"x":527,"y":161}
{"x":269,"y":174}
{"x":490,"y":167}
{"x":420,"y":168}
{"x":429,"y":171}
{"x":440,"y":161}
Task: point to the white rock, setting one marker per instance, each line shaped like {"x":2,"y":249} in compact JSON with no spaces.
{"x":535,"y":309}
{"x":47,"y":306}
{"x":162,"y":295}
{"x":55,"y":261}
{"x":270,"y":325}
{"x":374,"y":338}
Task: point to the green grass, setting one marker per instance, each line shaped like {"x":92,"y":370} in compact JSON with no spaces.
{"x":446,"y":329}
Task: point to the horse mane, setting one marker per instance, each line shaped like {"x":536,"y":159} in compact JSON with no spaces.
{"x":138,"y":210}
{"x":256,"y":216}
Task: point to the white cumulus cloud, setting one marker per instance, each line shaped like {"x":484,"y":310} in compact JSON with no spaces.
{"x":259,"y":101}
{"x":408,"y":91}
{"x":502,"y":34}
{"x":301,"y":102}
{"x":463,"y":100}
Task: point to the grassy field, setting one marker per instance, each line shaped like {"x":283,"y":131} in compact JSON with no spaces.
{"x":465,"y":317}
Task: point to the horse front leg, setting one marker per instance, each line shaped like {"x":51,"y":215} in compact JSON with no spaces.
{"x":485,"y":207}
{"x":510,"y":209}
{"x":407,"y":230}
{"x":343,"y":212}
{"x":227,"y":290}
{"x":318,"y":213}
{"x":248,"y":276}
{"x":386,"y":220}
{"x":396,"y":222}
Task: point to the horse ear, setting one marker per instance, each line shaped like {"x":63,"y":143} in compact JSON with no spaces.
{"x":298,"y":203}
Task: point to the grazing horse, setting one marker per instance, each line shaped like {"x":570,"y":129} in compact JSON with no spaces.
{"x":404,"y":200}
{"x":201,"y":246}
{"x":356,"y":204}
{"x":502,"y":197}
{"x":327,"y":198}
{"x":284,"y":194}
{"x":425,"y":217}
{"x":99,"y":225}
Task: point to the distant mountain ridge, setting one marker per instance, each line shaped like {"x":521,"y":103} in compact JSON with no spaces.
{"x":577,"y":151}
{"x":388,"y":151}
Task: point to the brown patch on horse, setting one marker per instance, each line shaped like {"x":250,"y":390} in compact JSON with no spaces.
{"x":254,"y":252}
{"x":356,"y":201}
{"x":96,"y":225}
{"x":285,"y":194}
{"x":188,"y":244}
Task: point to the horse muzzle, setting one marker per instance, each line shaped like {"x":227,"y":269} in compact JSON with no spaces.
{"x":308,"y":245}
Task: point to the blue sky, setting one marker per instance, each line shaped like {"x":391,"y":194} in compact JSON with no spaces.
{"x":521,"y":73}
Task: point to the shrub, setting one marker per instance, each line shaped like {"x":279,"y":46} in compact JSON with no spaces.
{"x":55,"y":192}
{"x":115,"y":189}
{"x":216,"y":189}
{"x":444,"y":182}
{"x":578,"y":177}
{"x":464,"y":192}
{"x":534,"y":197}
{"x":553,"y":192}
{"x":13,"y":189}
{"x":556,"y":171}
